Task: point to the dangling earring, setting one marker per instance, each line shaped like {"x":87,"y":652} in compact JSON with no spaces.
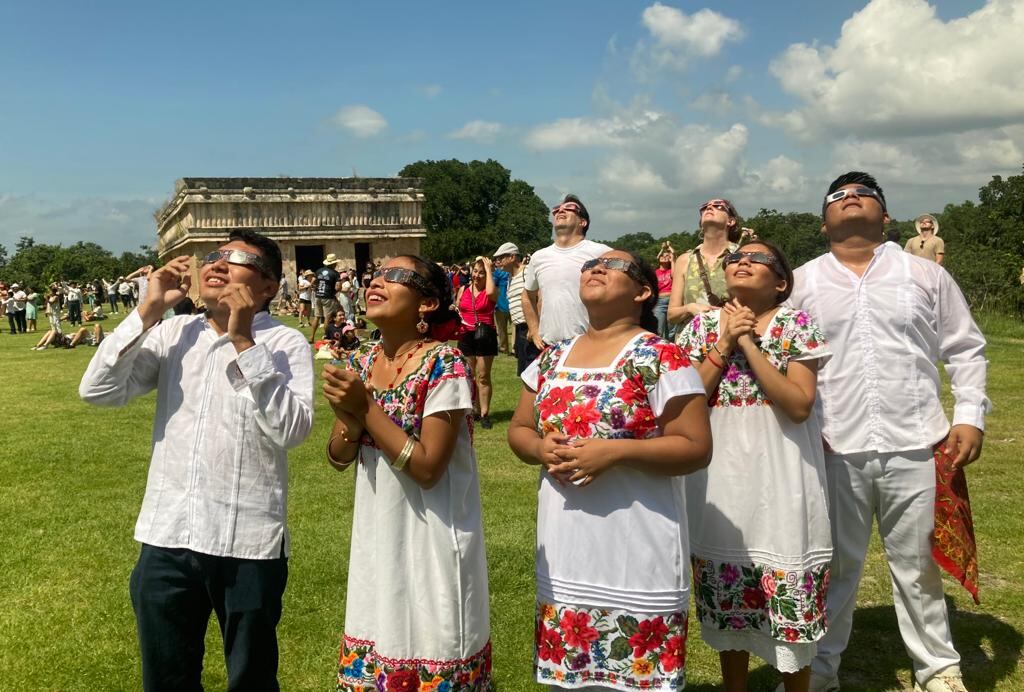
{"x":422,"y":325}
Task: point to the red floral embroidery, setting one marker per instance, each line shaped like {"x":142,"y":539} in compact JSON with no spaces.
{"x":674,"y":654}
{"x":556,"y":401}
{"x":672,"y":357}
{"x":549,"y":645}
{"x":577,"y":630}
{"x":642,"y":422}
{"x":580,"y":417}
{"x":404,"y":680}
{"x":650,"y":636}
{"x":632,"y":391}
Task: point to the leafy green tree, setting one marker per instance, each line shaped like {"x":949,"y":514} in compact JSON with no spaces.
{"x":471,"y":208}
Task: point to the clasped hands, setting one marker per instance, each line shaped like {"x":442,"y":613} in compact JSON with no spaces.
{"x":573,"y":461}
{"x":346,"y":393}
{"x":736,"y":327}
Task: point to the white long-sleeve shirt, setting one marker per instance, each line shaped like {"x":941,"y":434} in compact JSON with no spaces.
{"x":887,"y":329}
{"x":218,"y":478}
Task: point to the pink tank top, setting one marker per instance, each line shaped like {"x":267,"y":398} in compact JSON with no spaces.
{"x":484,"y":308}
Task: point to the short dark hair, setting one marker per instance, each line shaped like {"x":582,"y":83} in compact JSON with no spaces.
{"x":854,"y":178}
{"x":583,"y":214}
{"x":269,"y":249}
{"x":784,"y":265}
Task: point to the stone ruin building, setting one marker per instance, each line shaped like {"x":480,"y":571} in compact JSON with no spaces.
{"x":357,"y":219}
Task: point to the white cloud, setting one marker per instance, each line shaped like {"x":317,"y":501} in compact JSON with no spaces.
{"x":714,"y":102}
{"x":116,"y":224}
{"x":362,"y":121}
{"x":477,"y":130}
{"x":568,"y":133}
{"x":898,"y":69}
{"x":733,"y":73}
{"x":678,"y":37}
{"x":632,"y":176}
{"x":431,"y":91}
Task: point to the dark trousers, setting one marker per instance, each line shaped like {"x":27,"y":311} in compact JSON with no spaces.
{"x":526,"y":351}
{"x":19,"y":319}
{"x":112,"y":297}
{"x":11,"y":320}
{"x":75,"y":311}
{"x":173,"y":592}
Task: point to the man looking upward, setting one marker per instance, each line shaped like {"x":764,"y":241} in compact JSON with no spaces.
{"x":927,"y":243}
{"x":234,"y":393}
{"x":889,"y":317}
{"x":552,"y":280}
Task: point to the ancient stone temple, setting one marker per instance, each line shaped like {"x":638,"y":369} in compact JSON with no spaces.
{"x":357,"y":219}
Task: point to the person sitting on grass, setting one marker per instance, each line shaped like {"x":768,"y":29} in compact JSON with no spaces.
{"x":96,"y":314}
{"x":92,"y":336}
{"x":417,"y":606}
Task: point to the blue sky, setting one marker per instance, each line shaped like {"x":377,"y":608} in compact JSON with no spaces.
{"x":642,"y":108}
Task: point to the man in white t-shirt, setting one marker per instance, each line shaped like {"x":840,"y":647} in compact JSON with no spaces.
{"x":553,"y":309}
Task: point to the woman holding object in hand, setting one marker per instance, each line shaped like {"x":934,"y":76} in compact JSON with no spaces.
{"x":417,"y":580}
{"x":613,"y":416}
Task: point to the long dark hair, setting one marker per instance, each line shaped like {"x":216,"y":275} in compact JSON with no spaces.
{"x":780,"y":257}
{"x":648,"y":320}
{"x":440,"y":320}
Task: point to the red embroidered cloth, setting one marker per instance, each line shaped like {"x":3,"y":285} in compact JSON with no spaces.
{"x":953,"y":547}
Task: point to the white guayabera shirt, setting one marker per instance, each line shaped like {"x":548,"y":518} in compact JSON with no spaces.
{"x":224,"y":420}
{"x":887,"y":330}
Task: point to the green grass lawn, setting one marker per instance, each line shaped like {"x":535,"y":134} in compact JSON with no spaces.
{"x":73,"y":478}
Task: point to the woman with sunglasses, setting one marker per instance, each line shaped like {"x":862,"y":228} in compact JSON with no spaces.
{"x":613,"y":416}
{"x":417,"y":579}
{"x":759,"y":529}
{"x":698,"y":279}
{"x":666,"y":258}
{"x":479,"y":341}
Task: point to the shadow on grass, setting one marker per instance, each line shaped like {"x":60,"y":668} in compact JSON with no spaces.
{"x":990,"y":651}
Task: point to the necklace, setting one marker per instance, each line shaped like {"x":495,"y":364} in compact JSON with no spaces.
{"x":409,"y":353}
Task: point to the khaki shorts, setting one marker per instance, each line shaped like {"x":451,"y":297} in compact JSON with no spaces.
{"x":325,"y":307}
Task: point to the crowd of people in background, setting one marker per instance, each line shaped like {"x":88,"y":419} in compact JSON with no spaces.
{"x":719,"y":422}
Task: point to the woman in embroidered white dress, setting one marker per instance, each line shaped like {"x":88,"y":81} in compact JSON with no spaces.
{"x":759,"y":528}
{"x":613,"y":417}
{"x":417,"y":606}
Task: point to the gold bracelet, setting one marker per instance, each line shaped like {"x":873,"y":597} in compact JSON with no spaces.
{"x":406,"y":454}
{"x":330,"y":457}
{"x":718,"y":351}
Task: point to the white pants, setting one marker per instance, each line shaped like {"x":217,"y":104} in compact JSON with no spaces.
{"x":900,"y":489}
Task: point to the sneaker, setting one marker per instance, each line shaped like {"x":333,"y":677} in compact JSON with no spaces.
{"x":485,"y":422}
{"x":947,"y":680}
{"x":819,"y":683}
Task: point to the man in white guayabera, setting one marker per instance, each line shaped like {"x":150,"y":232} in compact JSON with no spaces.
{"x":234,"y":393}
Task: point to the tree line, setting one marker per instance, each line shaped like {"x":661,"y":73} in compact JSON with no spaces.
{"x":472,"y":208}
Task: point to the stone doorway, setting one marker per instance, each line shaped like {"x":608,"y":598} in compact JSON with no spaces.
{"x":308,"y":257}
{"x":362,"y":251}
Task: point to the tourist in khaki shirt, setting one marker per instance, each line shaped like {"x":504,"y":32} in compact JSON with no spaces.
{"x":927,"y":242}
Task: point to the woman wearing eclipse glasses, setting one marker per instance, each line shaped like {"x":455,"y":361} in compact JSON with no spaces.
{"x":417,"y":606}
{"x":613,"y":416}
{"x":759,"y":528}
{"x":698,"y":279}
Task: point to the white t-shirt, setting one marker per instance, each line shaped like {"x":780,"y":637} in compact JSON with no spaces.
{"x":555,"y":272}
{"x":304,"y":286}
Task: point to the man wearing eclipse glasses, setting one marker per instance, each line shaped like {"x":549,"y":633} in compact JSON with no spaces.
{"x":927,"y":242}
{"x":889,"y":316}
{"x":553,"y":309}
{"x":234,"y":393}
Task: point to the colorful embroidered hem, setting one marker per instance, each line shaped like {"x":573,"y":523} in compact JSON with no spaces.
{"x":360,"y":667}
{"x":954,"y":548}
{"x":787,"y":605}
{"x":615,"y":648}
